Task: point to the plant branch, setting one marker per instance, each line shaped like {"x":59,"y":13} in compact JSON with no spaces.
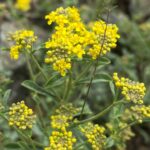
{"x":101,"y":113}
{"x":95,"y":67}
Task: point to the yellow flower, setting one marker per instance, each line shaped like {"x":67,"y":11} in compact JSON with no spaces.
{"x":61,"y":140}
{"x":67,"y":40}
{"x":72,"y":39}
{"x":23,"y":5}
{"x":59,"y":121}
{"x":140,"y":112}
{"x":95,"y":135}
{"x":104,"y":38}
{"x":63,"y":16}
{"x":61,"y":66}
{"x":14,"y":51}
{"x":21,"y":116}
{"x":132,"y":91}
{"x":63,"y":116}
{"x":23,"y":39}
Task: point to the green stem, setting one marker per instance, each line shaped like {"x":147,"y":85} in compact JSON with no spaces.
{"x":26,"y":138}
{"x":117,"y":95}
{"x":29,"y":66}
{"x":83,"y":72}
{"x":129,"y":125}
{"x":38,"y":66}
{"x":78,"y":146}
{"x":100,"y":113}
{"x":95,"y":67}
{"x":68,"y":87}
{"x":42,"y":124}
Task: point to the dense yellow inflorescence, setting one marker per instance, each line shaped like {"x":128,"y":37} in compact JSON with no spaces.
{"x":59,"y":121}
{"x":61,"y":140}
{"x":95,"y":135}
{"x":132,"y":91}
{"x":21,"y":116}
{"x":138,"y":112}
{"x":63,"y":116}
{"x":23,"y":39}
{"x":72,"y":38}
{"x":105,"y":38}
{"x":23,"y":5}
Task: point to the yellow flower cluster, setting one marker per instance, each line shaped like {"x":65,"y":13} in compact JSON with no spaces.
{"x":120,"y":133}
{"x":65,"y":41}
{"x":105,"y":37}
{"x":63,"y":116}
{"x":140,"y":112}
{"x":21,"y":116}
{"x":23,"y":39}
{"x":127,"y":133}
{"x":23,"y":5}
{"x":59,"y":121}
{"x":95,"y":135}
{"x":61,"y":140}
{"x":72,"y":38}
{"x":132,"y":91}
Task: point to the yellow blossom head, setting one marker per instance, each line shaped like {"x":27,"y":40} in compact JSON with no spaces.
{"x":131,"y":90}
{"x":61,"y":140}
{"x":67,"y":40}
{"x":23,"y":5}
{"x":105,"y":37}
{"x":72,"y":38}
{"x":95,"y":135}
{"x":21,"y":116}
{"x":63,"y":116}
{"x":23,"y":39}
{"x":140,"y":112}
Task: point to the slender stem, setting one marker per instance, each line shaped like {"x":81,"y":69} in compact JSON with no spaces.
{"x":38,"y":66}
{"x":127,"y":126}
{"x":26,"y":138}
{"x":68,"y":87}
{"x":29,"y":66}
{"x":100,"y":113}
{"x":95,"y":68}
{"x":78,"y":146}
{"x":116,"y":95}
{"x":83,"y":72}
{"x":42,"y":124}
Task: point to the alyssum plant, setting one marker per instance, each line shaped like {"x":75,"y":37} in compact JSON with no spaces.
{"x":54,"y":90}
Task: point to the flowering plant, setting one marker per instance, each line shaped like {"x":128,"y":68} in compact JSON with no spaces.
{"x":55,"y":83}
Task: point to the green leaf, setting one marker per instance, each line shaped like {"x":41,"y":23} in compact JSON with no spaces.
{"x":5,"y":49}
{"x":109,"y":142}
{"x":101,"y":77}
{"x":117,"y":111}
{"x":31,"y":85}
{"x":28,"y":132}
{"x":6,"y":97}
{"x":104,"y":61}
{"x":112,"y":88}
{"x":54,"y":81}
{"x":12,"y":145}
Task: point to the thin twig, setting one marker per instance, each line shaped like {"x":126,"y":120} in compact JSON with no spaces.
{"x":95,"y":67}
